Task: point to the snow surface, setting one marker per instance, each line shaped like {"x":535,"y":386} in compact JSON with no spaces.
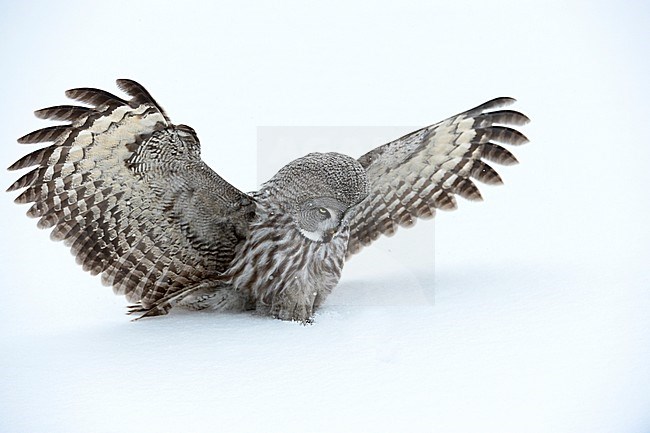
{"x":534,"y":316}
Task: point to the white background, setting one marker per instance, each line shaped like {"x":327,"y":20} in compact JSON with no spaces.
{"x":540,"y":321}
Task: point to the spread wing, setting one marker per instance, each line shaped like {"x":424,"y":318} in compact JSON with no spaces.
{"x":128,"y":192}
{"x":423,"y":171}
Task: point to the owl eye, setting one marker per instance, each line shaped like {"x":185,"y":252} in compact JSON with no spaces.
{"x":324,"y":213}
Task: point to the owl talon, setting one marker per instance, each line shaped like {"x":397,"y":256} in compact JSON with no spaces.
{"x":291,"y":312}
{"x":296,"y":313}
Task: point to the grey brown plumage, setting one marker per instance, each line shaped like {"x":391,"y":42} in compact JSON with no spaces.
{"x":127,"y":191}
{"x":422,"y":171}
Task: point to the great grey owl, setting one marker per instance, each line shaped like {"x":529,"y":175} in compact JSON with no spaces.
{"x":127,"y":191}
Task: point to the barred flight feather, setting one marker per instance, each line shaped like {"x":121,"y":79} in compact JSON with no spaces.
{"x":436,"y":163}
{"x":113,"y":222}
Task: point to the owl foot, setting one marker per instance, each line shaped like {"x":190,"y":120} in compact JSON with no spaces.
{"x":292,"y":314}
{"x":290,"y":304}
{"x":298,"y":313}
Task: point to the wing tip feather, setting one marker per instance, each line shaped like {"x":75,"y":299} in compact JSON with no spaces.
{"x":502,"y":101}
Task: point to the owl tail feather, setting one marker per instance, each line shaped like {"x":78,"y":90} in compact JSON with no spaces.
{"x":163,"y":305}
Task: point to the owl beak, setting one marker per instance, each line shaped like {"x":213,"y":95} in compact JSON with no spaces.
{"x":328,"y":235}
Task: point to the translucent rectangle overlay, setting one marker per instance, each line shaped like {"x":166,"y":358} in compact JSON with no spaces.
{"x":393,"y":271}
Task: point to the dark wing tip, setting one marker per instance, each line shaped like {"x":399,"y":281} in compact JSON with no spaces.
{"x":505,"y":117}
{"x":50,"y":133}
{"x":504,"y":134}
{"x":94,"y":96}
{"x":126,"y":83}
{"x":503,"y":101}
{"x":139,"y":94}
{"x":522,"y":118}
{"x":484,"y":173}
{"x":134,"y":89}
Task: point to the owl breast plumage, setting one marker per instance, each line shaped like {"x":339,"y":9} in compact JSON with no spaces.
{"x":127,"y":191}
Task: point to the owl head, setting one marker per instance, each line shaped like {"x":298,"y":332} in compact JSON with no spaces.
{"x":318,"y":190}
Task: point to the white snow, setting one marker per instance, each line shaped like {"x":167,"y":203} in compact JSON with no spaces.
{"x":534,"y":316}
